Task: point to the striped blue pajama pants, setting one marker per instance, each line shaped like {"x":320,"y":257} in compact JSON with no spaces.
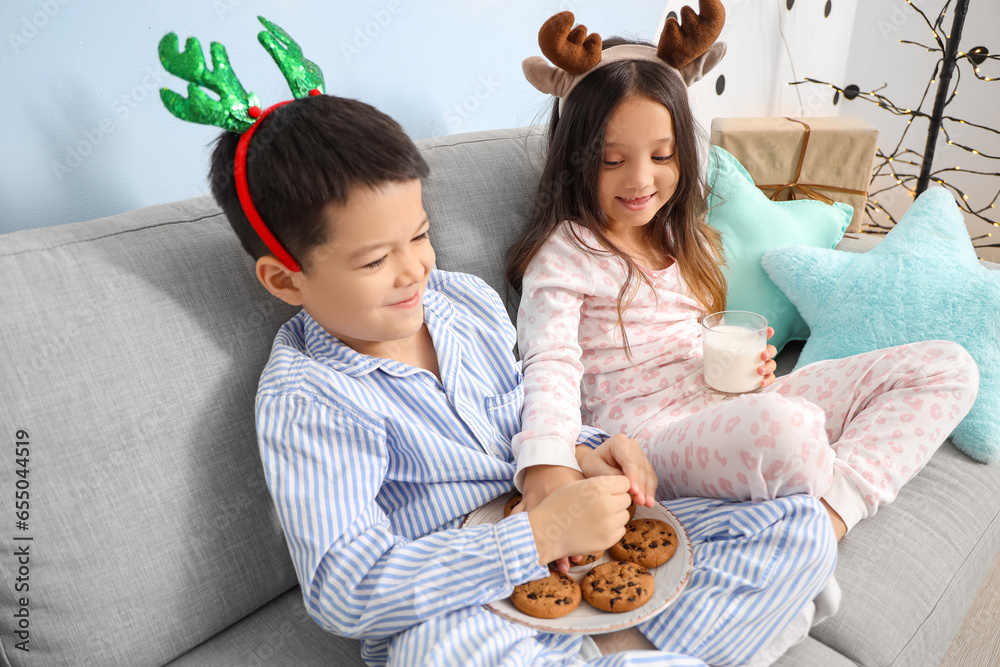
{"x":756,"y":565}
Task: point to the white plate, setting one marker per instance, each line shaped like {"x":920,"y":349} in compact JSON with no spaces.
{"x":668,"y":579}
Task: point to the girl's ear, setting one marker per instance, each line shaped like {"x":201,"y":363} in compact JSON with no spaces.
{"x":279,"y":280}
{"x":703,"y":64}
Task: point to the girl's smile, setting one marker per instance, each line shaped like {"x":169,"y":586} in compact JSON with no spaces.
{"x":636,"y":203}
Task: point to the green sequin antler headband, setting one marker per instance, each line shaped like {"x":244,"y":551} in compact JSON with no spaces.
{"x":236,"y":109}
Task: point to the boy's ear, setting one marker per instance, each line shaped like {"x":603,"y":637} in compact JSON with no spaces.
{"x":279,"y":280}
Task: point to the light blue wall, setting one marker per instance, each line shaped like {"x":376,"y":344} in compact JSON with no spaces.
{"x":83,"y":133}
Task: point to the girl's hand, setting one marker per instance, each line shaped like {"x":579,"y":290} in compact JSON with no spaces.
{"x":542,"y":480}
{"x":767,"y":356}
{"x":621,"y":455}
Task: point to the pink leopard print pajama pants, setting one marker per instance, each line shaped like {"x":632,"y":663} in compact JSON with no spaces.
{"x":852,"y":431}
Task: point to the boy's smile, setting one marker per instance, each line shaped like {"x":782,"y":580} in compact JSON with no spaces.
{"x":366,"y":284}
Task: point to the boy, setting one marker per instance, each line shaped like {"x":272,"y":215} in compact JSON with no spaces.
{"x":385,"y":415}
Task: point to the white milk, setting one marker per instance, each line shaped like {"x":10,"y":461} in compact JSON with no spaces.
{"x":732,"y":357}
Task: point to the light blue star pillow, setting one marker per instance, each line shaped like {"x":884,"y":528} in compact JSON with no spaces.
{"x":922,"y":282}
{"x":751,"y":224}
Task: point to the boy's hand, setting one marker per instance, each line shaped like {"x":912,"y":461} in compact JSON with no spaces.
{"x":581,"y":518}
{"x":539,"y":483}
{"x":767,"y":356}
{"x":621,"y":455}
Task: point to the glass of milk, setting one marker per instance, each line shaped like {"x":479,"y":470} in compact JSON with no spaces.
{"x":732,"y":341}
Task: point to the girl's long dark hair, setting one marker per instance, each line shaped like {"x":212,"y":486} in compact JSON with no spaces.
{"x":568,"y":186}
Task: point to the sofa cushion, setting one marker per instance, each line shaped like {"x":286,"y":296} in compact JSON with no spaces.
{"x":812,"y":653}
{"x":923,"y":282}
{"x":751,"y":224}
{"x":280,"y":633}
{"x":910,"y":573}
{"x":130,"y":349}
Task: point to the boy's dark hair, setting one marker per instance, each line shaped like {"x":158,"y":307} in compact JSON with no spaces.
{"x":306,"y":155}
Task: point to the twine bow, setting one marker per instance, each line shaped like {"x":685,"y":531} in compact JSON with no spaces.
{"x":807,"y":189}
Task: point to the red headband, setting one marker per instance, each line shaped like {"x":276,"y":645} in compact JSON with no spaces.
{"x":240,"y":169}
{"x":235,"y":107}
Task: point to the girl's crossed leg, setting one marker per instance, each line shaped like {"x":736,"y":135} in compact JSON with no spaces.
{"x":886,"y":413}
{"x":852,"y":431}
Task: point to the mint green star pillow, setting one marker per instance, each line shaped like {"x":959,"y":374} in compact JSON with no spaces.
{"x":751,"y":224}
{"x":922,"y":282}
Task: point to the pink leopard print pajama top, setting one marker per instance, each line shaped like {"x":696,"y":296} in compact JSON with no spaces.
{"x":852,"y":431}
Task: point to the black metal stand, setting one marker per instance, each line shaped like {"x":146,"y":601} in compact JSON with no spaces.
{"x":941,"y":99}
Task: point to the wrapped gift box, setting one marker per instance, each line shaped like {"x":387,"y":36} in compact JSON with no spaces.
{"x":795,"y":158}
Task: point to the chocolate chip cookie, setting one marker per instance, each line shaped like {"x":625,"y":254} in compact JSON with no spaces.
{"x":554,"y":596}
{"x":617,"y":586}
{"x":514,"y":499}
{"x":647,"y":542}
{"x":588,"y":559}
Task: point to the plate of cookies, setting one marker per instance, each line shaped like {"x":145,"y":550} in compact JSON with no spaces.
{"x":623,"y":586}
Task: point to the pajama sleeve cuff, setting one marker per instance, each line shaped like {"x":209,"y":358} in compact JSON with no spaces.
{"x":543,"y":450}
{"x":518,"y":553}
{"x":845,"y":498}
{"x":591,"y":437}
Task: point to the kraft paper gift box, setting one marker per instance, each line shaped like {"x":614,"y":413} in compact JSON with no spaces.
{"x":824,"y":158}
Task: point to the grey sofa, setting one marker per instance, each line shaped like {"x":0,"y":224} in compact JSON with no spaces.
{"x":130,"y":349}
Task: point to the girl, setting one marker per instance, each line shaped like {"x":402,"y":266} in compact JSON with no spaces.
{"x":616,"y":271}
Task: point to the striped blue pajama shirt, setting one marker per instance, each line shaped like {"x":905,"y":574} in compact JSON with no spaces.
{"x":372,"y":465}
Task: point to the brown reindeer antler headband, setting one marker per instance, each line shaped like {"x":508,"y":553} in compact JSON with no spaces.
{"x":689,"y":48}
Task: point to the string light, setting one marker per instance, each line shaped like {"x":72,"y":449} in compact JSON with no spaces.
{"x":911,"y":162}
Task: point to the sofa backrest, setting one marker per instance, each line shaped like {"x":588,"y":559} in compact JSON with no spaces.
{"x":479,"y":197}
{"x":130,"y":349}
